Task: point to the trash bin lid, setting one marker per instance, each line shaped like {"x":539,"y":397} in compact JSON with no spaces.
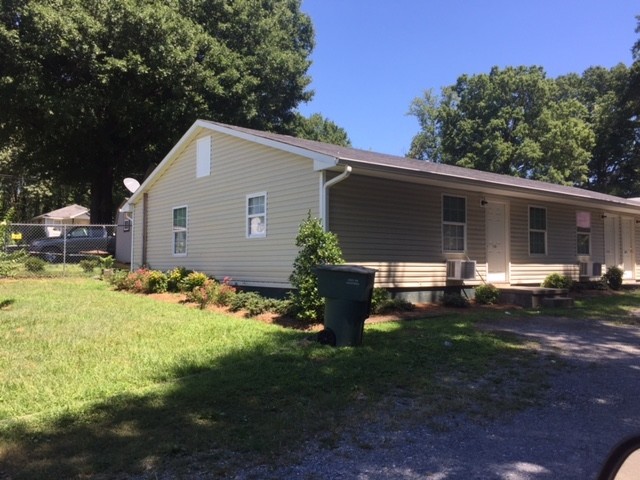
{"x":347,"y":269}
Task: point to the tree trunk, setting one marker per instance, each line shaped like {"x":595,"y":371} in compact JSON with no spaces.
{"x":102,"y":210}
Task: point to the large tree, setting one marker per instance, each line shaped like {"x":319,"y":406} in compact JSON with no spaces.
{"x":510,"y":121}
{"x":316,"y":127}
{"x":96,"y":90}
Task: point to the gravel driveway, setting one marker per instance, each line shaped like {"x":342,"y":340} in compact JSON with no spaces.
{"x":591,"y":405}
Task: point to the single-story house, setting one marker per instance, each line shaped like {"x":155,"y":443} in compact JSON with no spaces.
{"x":228,"y":201}
{"x":69,"y":215}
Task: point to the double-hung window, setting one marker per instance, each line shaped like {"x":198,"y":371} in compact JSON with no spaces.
{"x":454,"y":223}
{"x":180,"y":231}
{"x":537,"y":231}
{"x":583,"y":232}
{"x":256,"y":215}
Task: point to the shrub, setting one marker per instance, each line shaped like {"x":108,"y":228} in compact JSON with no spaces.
{"x":88,"y":265}
{"x":454,"y":299}
{"x":555,"y":280}
{"x":204,"y":294}
{"x":255,"y":304}
{"x":107,"y":262}
{"x":613,"y":278}
{"x":119,"y":279}
{"x":487,"y":294}
{"x":10,"y":262}
{"x":193,"y":280}
{"x":382,"y":302}
{"x":316,"y":247}
{"x":224,"y":293}
{"x":34,"y":264}
{"x":156,"y":282}
{"x":175,"y":277}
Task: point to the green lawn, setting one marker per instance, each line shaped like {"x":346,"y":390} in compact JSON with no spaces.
{"x":97,"y":381}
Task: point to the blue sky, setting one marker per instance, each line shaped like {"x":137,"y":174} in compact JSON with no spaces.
{"x":373,"y":57}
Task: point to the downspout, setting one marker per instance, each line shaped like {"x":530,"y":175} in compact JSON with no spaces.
{"x":324,"y":195}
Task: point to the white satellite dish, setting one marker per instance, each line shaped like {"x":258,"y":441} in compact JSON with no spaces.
{"x":131,"y":183}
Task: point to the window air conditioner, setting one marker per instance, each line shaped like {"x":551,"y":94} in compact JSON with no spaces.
{"x":590,"y":269}
{"x":461,"y":269}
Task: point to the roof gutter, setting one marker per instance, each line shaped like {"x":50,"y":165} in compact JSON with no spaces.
{"x":324,"y":194}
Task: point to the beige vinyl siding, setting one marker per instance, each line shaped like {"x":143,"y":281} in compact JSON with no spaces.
{"x":561,"y":256}
{"x":397,"y":228}
{"x":216,"y":224}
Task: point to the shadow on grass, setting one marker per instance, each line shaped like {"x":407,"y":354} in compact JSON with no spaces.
{"x":265,"y":399}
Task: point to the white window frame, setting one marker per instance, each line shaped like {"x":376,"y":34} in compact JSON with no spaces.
{"x":448,"y":222}
{"x":536,"y":230}
{"x":584,"y":232}
{"x":203,"y":156}
{"x":175,"y":230}
{"x":251,"y":216}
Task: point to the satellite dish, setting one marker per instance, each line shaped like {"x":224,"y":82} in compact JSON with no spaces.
{"x":131,"y":183}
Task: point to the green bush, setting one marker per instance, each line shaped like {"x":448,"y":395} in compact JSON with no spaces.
{"x":10,"y":263}
{"x":34,"y":264}
{"x":107,"y":262}
{"x":156,"y":282}
{"x":555,"y":280}
{"x":454,"y":299}
{"x":487,"y":294}
{"x":204,"y":294}
{"x":255,"y":304}
{"x":88,"y":265}
{"x":224,"y":293}
{"x":175,"y":278}
{"x":613,"y":278}
{"x":316,"y":247}
{"x":382,"y":302}
{"x":193,"y":280}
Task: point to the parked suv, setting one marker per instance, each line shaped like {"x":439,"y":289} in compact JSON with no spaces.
{"x":77,"y":243}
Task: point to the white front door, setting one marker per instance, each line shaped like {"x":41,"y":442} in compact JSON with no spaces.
{"x":496,"y":221}
{"x":618,"y":244}
{"x":628,"y":263}
{"x":611,"y":241}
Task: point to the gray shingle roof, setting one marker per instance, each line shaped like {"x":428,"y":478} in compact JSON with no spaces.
{"x":348,"y":155}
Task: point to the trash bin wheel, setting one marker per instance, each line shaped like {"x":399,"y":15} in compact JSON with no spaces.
{"x":327,"y":337}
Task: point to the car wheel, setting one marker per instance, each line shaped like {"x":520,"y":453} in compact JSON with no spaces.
{"x":51,"y":255}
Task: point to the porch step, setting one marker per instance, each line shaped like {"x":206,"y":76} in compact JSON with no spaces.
{"x":532,"y":297}
{"x":557,"y":302}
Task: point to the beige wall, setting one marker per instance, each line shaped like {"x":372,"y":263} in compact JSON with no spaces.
{"x":396,"y":227}
{"x":217,"y":242}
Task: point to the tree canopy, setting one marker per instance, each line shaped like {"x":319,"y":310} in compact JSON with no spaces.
{"x":575,"y":130}
{"x":511,"y":121}
{"x":320,"y":129}
{"x":94,"y":91}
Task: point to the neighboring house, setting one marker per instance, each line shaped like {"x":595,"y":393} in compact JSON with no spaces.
{"x":69,"y":215}
{"x":228,"y":201}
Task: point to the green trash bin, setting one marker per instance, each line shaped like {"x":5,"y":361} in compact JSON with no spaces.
{"x":347,"y":290}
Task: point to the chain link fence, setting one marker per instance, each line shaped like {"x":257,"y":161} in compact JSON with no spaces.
{"x":34,"y":250}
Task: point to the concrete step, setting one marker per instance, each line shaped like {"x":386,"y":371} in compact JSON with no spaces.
{"x":557,"y":302}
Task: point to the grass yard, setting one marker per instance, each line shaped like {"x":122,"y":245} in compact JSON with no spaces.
{"x":94,"y":381}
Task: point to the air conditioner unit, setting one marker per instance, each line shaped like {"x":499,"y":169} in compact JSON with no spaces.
{"x":461,"y":269}
{"x":590,"y":269}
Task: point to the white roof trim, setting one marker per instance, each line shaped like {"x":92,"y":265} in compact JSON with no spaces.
{"x":320,"y":161}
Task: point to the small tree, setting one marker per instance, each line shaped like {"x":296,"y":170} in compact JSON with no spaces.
{"x":316,"y":247}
